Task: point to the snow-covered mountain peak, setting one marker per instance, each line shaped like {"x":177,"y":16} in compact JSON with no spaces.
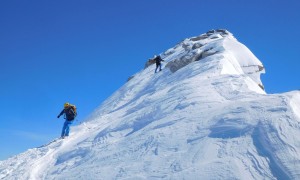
{"x":204,"y":116}
{"x":213,"y":55}
{"x":219,"y":49}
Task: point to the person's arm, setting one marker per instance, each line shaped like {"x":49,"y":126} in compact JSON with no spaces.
{"x":61,"y":113}
{"x":159,"y":58}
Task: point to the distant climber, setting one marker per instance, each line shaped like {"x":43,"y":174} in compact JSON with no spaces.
{"x":70,"y":113}
{"x":158,"y":61}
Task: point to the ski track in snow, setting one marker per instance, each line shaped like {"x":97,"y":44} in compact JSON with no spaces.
{"x":209,"y":119}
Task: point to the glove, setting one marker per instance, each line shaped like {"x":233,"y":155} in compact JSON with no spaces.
{"x":57,"y":116}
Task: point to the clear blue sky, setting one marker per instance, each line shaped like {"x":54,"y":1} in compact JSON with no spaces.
{"x":81,"y":51}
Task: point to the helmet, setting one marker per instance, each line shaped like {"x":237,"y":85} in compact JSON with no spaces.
{"x":66,"y":104}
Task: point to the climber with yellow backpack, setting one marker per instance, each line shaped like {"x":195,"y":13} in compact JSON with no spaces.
{"x":70,"y":113}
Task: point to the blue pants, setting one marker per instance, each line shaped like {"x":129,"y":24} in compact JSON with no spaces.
{"x":66,"y":128}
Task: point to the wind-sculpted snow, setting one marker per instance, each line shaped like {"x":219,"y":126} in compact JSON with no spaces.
{"x":204,"y":118}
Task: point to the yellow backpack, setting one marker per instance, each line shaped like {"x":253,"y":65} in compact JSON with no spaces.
{"x":74,"y":109}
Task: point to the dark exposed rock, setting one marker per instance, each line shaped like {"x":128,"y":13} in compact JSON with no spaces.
{"x":223,"y":31}
{"x":197,"y":45}
{"x":206,"y":54}
{"x":260,"y":68}
{"x":210,"y":32}
{"x":177,"y":64}
{"x":183,"y":61}
{"x":199,"y":37}
{"x":214,"y":37}
{"x":186,"y":46}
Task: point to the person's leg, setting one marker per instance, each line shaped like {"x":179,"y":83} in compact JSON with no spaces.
{"x":68,"y":128}
{"x":63,"y":132}
{"x":156,"y":68}
{"x":160,"y":67}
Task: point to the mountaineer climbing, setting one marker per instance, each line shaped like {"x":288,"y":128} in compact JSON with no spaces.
{"x":158,"y":61}
{"x":70,"y":113}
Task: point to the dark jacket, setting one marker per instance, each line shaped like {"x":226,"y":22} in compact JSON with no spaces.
{"x":70,"y":114}
{"x":158,"y":60}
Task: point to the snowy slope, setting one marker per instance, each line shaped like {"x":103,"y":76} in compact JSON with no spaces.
{"x":205,"y":116}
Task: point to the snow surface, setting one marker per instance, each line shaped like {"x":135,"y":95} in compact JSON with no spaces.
{"x":205,"y":116}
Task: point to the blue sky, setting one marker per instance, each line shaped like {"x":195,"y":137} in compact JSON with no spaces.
{"x":80,"y":52}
